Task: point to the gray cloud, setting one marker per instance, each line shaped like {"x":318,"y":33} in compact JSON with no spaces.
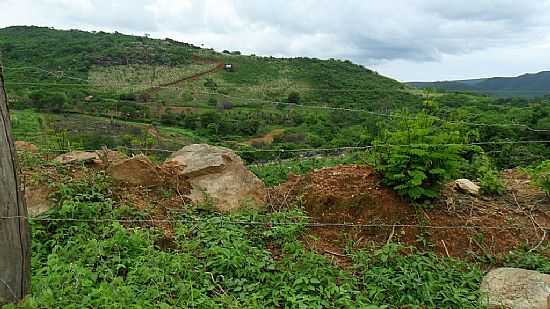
{"x":369,"y":32}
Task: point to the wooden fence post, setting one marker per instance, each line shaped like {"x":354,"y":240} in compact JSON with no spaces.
{"x":15,"y":240}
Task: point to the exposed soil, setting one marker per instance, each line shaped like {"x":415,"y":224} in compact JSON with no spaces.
{"x":457,"y":225}
{"x":267,"y":139}
{"x":219,"y":66}
{"x":355,"y":194}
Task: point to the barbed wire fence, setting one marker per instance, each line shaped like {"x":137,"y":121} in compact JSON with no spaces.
{"x":279,"y":152}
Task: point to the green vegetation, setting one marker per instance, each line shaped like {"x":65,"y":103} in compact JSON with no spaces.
{"x":418,"y":171}
{"x":541,"y":175}
{"x":78,"y":90}
{"x":214,"y":261}
{"x":98,"y":89}
{"x":276,"y":173}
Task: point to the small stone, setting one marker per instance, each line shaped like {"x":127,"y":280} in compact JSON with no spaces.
{"x":467,"y":186}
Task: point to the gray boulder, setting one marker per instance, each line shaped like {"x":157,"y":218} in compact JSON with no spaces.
{"x":218,"y":175}
{"x":77,"y":157}
{"x":516,"y":288}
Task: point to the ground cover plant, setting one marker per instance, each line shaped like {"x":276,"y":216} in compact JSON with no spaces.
{"x":90,"y":250}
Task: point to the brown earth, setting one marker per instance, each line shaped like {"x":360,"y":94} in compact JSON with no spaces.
{"x":355,"y":194}
{"x":219,"y":66}
{"x":267,"y":139}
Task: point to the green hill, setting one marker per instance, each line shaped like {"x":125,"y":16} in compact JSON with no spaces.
{"x":106,"y":61}
{"x":88,"y":89}
{"x":527,"y":85}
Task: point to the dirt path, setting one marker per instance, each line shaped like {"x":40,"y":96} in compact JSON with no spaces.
{"x":267,"y":139}
{"x":219,"y":66}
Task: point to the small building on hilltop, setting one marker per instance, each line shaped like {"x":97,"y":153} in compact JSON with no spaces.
{"x":228,"y":67}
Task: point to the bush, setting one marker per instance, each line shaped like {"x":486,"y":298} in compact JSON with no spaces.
{"x":490,"y":183}
{"x":210,"y":84}
{"x":293,"y":97}
{"x":128,"y":97}
{"x":212,"y":102}
{"x":49,"y":101}
{"x":541,"y":176}
{"x":480,"y":167}
{"x":419,"y":169}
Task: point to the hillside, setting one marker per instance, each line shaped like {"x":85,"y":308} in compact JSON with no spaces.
{"x":76,"y":89}
{"x":322,"y":184}
{"x":527,"y":85}
{"x":103,"y":60}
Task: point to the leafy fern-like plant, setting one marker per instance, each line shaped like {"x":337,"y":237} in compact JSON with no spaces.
{"x":417,"y":156}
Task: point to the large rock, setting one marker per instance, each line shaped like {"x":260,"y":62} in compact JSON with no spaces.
{"x":24,"y":146}
{"x":37,"y":201}
{"x":217,"y":174}
{"x":77,"y":157}
{"x":139,"y":171}
{"x":467,"y":186}
{"x":516,"y":288}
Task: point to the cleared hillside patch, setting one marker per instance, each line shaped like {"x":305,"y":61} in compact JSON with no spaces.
{"x":135,"y":78}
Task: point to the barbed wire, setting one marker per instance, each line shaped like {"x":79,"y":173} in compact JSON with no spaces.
{"x":321,"y":149}
{"x":271,"y":223}
{"x":321,"y":107}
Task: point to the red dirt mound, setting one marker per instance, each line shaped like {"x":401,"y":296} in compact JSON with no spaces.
{"x":457,"y":225}
{"x":345,"y":194}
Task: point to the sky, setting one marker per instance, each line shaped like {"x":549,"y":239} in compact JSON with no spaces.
{"x":409,"y":40}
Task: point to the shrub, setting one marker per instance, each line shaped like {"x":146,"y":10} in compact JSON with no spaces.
{"x":479,"y":167}
{"x":418,"y":169}
{"x":49,"y":101}
{"x":212,"y":102}
{"x":128,"y":97}
{"x":210,"y":84}
{"x":541,"y":176}
{"x":490,"y":183}
{"x":293,"y":97}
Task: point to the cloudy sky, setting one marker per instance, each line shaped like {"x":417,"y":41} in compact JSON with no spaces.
{"x":419,"y":40}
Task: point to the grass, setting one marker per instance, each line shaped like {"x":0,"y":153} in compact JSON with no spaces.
{"x":275,"y":173}
{"x":215,"y":261}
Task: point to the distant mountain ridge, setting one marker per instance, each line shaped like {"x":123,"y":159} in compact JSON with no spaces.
{"x":528,"y":85}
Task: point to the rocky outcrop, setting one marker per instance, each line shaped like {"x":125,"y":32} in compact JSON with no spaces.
{"x":516,"y":288}
{"x":467,"y":186}
{"x":139,"y":171}
{"x":77,"y":157}
{"x":24,"y":146}
{"x":218,"y":175}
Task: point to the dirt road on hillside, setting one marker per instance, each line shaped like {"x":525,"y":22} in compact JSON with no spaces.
{"x":218,"y":67}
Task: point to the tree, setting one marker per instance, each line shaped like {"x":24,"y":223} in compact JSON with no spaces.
{"x":49,"y":101}
{"x":293,"y":97}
